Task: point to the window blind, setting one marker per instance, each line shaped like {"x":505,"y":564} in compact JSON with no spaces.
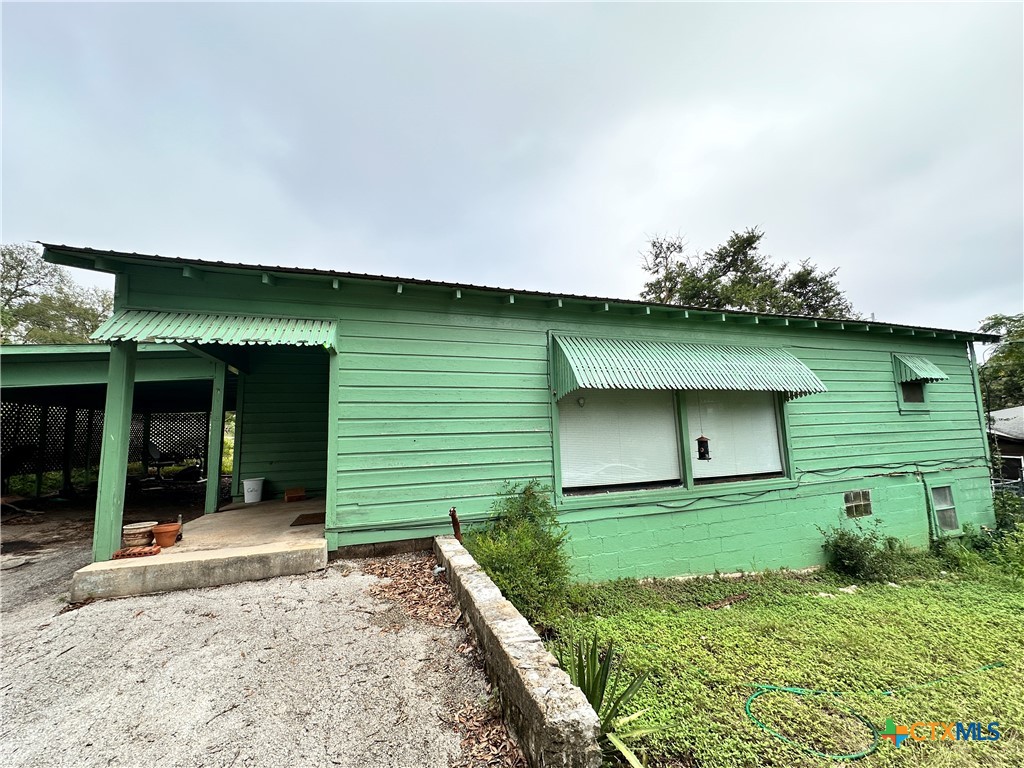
{"x":742,"y":429}
{"x":618,"y":437}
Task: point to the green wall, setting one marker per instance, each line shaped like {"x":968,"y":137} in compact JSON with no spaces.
{"x":440,"y":398}
{"x":281,"y":422}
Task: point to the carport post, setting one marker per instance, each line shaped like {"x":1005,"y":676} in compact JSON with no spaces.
{"x":117,"y":427}
{"x":215,"y":441}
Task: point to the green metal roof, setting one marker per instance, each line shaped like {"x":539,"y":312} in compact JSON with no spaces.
{"x":205,"y":328}
{"x":917,"y":368}
{"x":595,"y":363}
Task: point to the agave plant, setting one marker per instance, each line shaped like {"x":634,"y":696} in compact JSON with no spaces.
{"x":590,"y":669}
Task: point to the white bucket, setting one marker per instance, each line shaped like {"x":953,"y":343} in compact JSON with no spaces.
{"x":253,"y":489}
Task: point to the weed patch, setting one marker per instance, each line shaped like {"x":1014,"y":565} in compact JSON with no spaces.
{"x":803,"y":632}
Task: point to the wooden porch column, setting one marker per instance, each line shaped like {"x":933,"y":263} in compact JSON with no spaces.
{"x":236,"y":464}
{"x":215,"y":441}
{"x":333,"y":435}
{"x":117,"y":427}
{"x":68,"y":488}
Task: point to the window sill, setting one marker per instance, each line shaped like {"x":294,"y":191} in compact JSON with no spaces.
{"x":665,"y":496}
{"x":904,"y":411}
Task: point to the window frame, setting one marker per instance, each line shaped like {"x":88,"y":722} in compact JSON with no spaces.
{"x":616,"y":495}
{"x":933,"y":509}
{"x":861,"y":499}
{"x":909,"y":407}
{"x":685,"y":447}
{"x":589,"y":491}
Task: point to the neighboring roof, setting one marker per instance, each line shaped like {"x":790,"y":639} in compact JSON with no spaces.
{"x":917,"y":368}
{"x":1008,"y":423}
{"x":106,"y":261}
{"x":601,"y":363}
{"x":206,"y":328}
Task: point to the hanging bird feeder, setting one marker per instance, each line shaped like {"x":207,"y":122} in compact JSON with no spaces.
{"x":703,"y":449}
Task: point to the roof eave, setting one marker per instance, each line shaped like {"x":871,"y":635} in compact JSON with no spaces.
{"x":108,"y":261}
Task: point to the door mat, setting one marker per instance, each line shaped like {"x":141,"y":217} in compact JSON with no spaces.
{"x":310,"y":518}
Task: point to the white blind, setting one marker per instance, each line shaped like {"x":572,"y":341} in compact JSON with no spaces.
{"x":742,"y":430}
{"x":618,"y":437}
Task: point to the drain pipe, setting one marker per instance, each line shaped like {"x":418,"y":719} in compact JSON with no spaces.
{"x":982,"y":414}
{"x":933,"y":534}
{"x":456,"y":528}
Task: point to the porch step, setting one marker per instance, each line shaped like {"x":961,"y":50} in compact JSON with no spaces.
{"x":171,"y":570}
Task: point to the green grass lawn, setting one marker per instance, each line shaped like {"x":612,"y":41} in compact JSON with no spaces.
{"x":703,"y":665}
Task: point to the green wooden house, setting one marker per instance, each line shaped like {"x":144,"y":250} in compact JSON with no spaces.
{"x":675,"y":441}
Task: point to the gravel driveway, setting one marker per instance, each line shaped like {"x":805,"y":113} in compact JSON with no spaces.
{"x":310,"y":670}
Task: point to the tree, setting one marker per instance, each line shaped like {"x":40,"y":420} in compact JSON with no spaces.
{"x":41,"y":304}
{"x":737,"y":275}
{"x":1002,"y":375}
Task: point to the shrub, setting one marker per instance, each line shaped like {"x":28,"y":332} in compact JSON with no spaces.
{"x":1009,"y":510}
{"x":978,"y":540}
{"x":522,"y":549}
{"x":1008,"y":553}
{"x":966,"y":554}
{"x":867,"y":555}
{"x":1003,"y":546}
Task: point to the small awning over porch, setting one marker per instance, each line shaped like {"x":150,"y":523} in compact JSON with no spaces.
{"x":916,"y":368}
{"x":208,"y":328}
{"x":602,"y":363}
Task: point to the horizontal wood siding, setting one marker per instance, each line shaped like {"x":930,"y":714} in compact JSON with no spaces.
{"x":435,"y":416}
{"x":440,"y":400}
{"x":284,"y":420}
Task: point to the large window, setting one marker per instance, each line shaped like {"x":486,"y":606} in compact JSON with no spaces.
{"x":742,"y":431}
{"x":619,"y":439}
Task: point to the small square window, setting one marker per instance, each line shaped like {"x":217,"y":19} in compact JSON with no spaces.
{"x":913,"y":391}
{"x":945,"y":509}
{"x":858,"y":503}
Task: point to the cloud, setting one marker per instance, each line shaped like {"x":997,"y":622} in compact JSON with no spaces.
{"x":531,"y":146}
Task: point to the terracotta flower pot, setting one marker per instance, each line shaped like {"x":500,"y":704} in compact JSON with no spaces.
{"x":165,"y":534}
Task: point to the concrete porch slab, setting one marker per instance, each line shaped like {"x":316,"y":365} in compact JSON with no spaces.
{"x":245,"y":544}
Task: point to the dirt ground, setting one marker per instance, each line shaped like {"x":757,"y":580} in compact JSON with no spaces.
{"x":363,"y":664}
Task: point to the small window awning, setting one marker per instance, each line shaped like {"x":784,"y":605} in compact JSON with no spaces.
{"x":601,"y":363}
{"x":207,"y":328}
{"x":917,"y":368}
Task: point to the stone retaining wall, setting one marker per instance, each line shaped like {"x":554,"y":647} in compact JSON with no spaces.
{"x":549,"y":716}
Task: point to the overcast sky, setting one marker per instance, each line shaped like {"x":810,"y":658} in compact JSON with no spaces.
{"x":531,"y":146}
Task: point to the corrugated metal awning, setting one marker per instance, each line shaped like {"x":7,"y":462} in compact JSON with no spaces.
{"x":207,"y":328}
{"x":917,"y":368}
{"x":591,"y":363}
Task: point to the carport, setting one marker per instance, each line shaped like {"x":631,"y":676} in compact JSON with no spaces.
{"x":53,"y":413}
{"x":53,"y":403}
